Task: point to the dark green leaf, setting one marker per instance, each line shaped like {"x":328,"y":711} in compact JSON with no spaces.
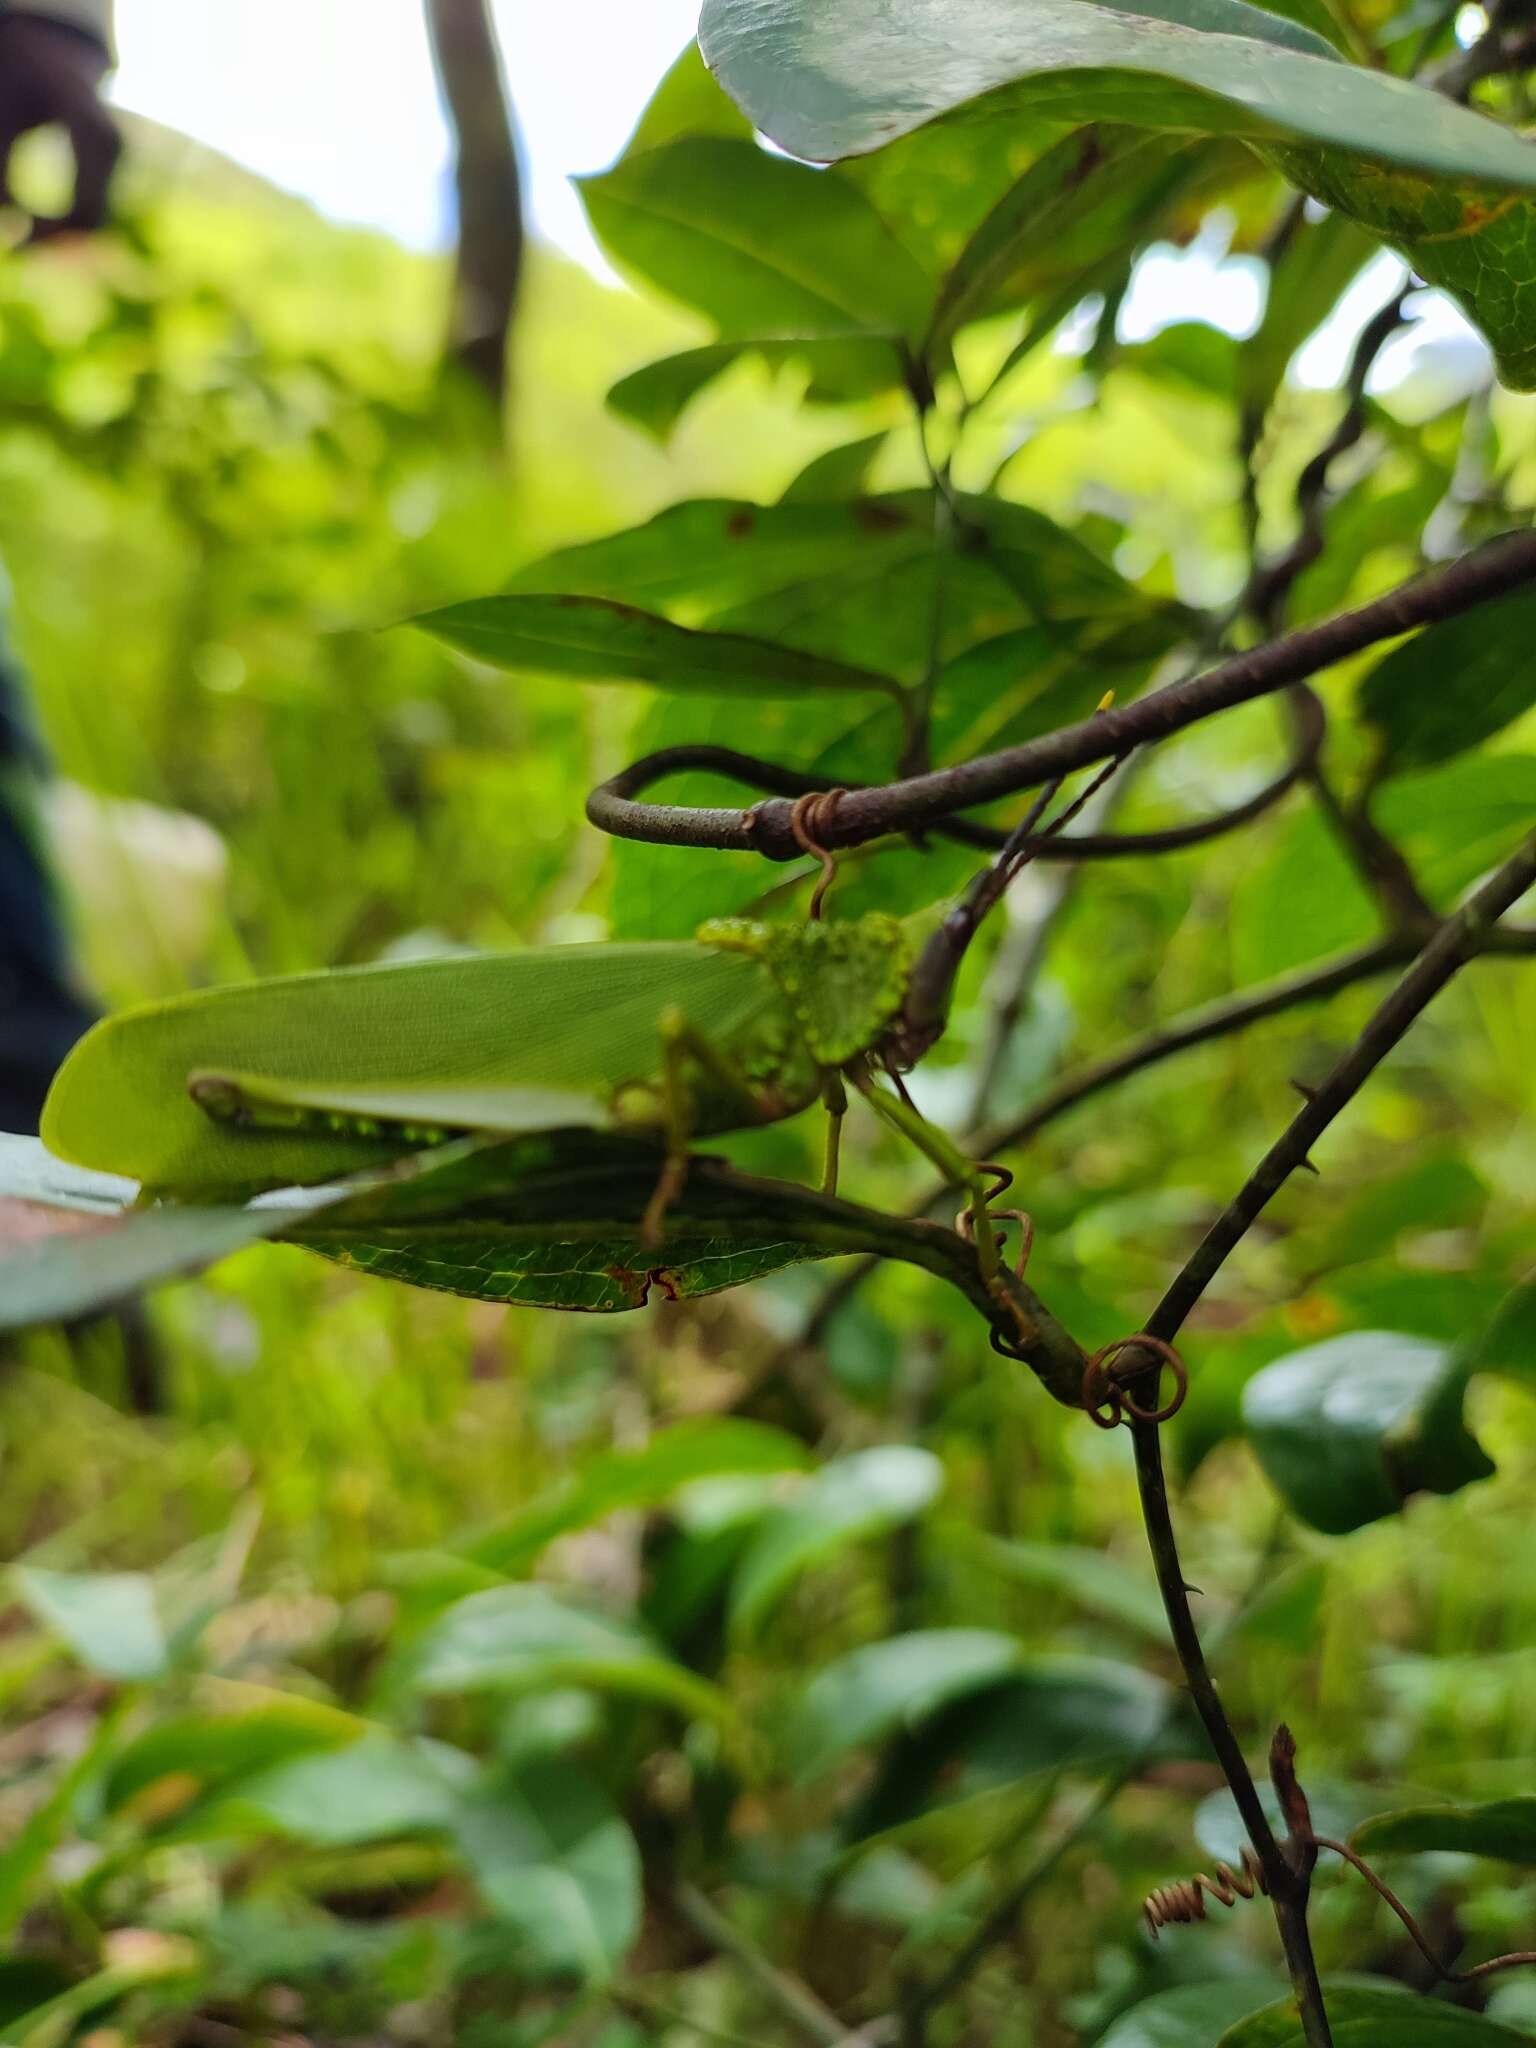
{"x":1504,"y":1828}
{"x":595,"y":641}
{"x":846,"y":1502}
{"x":1090,"y":197}
{"x":1192,"y":2016}
{"x":1305,"y":284}
{"x":1451,"y":686}
{"x":557,"y":1866}
{"x":1508,"y":1344}
{"x":760,"y":245}
{"x":642,"y":1478}
{"x":872,"y":1692}
{"x":517,"y":1639}
{"x":1374,"y":2019}
{"x":1350,"y":1428}
{"x":833,"y":78}
{"x":839,"y":371}
{"x":1090,"y":1579}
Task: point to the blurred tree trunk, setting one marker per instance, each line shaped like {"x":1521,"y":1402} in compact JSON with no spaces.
{"x":491,"y":235}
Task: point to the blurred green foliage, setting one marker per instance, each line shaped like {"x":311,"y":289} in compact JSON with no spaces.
{"x":349,"y":1699}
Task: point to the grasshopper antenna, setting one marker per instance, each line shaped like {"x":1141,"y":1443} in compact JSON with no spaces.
{"x":933,"y":977}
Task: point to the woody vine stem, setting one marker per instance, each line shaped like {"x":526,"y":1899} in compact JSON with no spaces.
{"x":1429,"y":947}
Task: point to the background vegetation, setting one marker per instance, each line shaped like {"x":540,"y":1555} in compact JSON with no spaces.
{"x":227,"y":457}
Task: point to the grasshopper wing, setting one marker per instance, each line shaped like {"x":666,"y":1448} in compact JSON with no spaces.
{"x":496,"y":1041}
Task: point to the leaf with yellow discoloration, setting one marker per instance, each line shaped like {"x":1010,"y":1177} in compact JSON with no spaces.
{"x":1474,"y":241}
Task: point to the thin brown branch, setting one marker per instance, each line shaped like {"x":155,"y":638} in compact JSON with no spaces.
{"x":1519,"y":1960}
{"x":1459,"y":939}
{"x":922,"y":802}
{"x":1287,"y":1885}
{"x":755,"y":773}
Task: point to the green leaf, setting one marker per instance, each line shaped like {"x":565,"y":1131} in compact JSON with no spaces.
{"x":1349,"y":1429}
{"x":1472,"y":237}
{"x":1305,"y":283}
{"x":1451,"y":686}
{"x":557,"y":1866}
{"x":1337,"y":1809}
{"x":1373,"y":2019}
{"x":559,"y":1225}
{"x":836,"y":475}
{"x":839,"y":372}
{"x":1503,"y":1828}
{"x":517,"y":1639}
{"x":1192,"y":2016}
{"x":109,"y":1619}
{"x":872,"y":1692}
{"x":1055,"y":1713}
{"x":643,"y":1478}
{"x":1092,"y":196}
{"x":833,"y":78}
{"x":1456,"y":822}
{"x":213,"y":1751}
{"x":759,"y":245}
{"x":595,"y":641}
{"x":1508,"y":1344}
{"x":845,"y":1503}
{"x":372,"y":1790}
{"x":1305,"y":902}
{"x":1091,"y":1580}
{"x":688,"y":101}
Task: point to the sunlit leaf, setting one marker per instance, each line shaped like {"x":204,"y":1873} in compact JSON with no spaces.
{"x":760,"y":245}
{"x":1350,"y":1428}
{"x":1093,"y":195}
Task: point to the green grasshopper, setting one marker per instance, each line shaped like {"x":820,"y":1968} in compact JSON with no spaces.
{"x":310,"y":1077}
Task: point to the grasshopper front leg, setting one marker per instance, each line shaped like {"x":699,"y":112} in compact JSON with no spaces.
{"x":686,"y":1051}
{"x":937,"y":1146}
